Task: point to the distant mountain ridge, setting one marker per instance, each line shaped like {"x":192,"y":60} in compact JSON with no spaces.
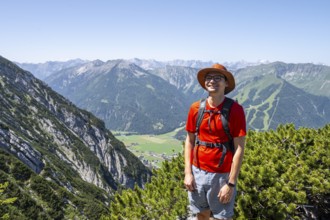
{"x":314,"y":79}
{"x":123,"y":94}
{"x":263,"y":103}
{"x":42,"y":70}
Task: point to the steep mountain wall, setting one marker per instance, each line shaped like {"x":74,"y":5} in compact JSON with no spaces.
{"x":45,"y":130}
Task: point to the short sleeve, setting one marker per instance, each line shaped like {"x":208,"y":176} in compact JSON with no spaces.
{"x":237,"y":121}
{"x":191,"y":118}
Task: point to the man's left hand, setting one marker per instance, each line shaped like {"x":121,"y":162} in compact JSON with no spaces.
{"x":225,"y":194}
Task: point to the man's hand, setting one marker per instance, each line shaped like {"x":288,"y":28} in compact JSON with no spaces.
{"x":225,"y":194}
{"x":189,"y":182}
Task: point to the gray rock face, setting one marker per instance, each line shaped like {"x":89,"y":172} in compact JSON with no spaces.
{"x":21,"y":149}
{"x":43,"y":129}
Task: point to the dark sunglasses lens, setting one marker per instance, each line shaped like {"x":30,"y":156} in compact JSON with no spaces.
{"x":215,"y":78}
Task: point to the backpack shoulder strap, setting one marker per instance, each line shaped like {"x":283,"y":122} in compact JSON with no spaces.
{"x":200,"y":114}
{"x":225,"y":116}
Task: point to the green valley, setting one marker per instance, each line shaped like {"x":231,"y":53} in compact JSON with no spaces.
{"x":151,"y":149}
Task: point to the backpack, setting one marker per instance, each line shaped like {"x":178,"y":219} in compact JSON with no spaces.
{"x":224,"y":114}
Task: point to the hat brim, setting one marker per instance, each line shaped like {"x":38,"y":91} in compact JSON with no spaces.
{"x":229,"y":76}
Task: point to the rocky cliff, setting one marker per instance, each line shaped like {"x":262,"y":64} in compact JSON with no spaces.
{"x":48,"y":133}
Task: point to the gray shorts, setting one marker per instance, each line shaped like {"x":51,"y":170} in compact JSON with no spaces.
{"x":205,"y":197}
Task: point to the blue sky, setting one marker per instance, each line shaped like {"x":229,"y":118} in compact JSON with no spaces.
{"x":292,"y":31}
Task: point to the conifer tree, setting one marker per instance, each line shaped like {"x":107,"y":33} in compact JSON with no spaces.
{"x":5,"y":201}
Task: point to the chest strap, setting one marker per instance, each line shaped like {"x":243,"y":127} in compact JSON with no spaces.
{"x":224,"y":147}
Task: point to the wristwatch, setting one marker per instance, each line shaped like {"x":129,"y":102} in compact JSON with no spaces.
{"x":230,"y":184}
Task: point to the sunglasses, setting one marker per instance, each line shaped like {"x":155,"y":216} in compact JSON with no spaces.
{"x":216,"y":78}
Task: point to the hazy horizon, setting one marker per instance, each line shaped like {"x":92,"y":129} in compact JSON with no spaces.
{"x":214,"y":30}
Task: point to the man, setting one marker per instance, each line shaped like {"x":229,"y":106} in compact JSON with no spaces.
{"x":211,"y":184}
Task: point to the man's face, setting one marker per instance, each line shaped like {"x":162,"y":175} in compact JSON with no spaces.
{"x":215,"y":82}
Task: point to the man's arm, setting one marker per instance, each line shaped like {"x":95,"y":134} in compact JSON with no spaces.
{"x":226,"y":192}
{"x":189,"y":181}
{"x":239,"y":143}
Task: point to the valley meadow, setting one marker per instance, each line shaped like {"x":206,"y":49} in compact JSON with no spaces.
{"x":151,"y":149}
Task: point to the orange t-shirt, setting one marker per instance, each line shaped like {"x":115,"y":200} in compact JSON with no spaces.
{"x":207,"y":158}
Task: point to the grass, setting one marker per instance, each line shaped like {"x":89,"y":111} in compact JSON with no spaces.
{"x":152,"y":148}
{"x":271,"y":100}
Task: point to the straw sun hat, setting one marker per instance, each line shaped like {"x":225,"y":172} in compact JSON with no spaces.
{"x":217,"y":68}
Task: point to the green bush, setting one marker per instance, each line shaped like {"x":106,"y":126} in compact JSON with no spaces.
{"x":285,"y":175}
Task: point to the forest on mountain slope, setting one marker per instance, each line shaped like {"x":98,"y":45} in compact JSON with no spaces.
{"x":25,"y":195}
{"x":285,"y":175}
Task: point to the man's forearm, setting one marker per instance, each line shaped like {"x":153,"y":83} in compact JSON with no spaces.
{"x":237,"y":159}
{"x":187,"y":153}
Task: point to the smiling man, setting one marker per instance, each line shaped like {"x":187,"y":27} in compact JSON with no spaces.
{"x":214,"y":146}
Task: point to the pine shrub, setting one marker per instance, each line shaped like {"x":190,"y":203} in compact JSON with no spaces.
{"x":285,"y":175}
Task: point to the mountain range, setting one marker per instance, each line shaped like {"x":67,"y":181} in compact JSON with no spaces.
{"x":65,"y":149}
{"x":279,"y":93}
{"x":124,"y":95}
{"x":148,"y":96}
{"x":61,"y":159}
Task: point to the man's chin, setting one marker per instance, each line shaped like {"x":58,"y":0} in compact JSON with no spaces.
{"x":212,"y":90}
